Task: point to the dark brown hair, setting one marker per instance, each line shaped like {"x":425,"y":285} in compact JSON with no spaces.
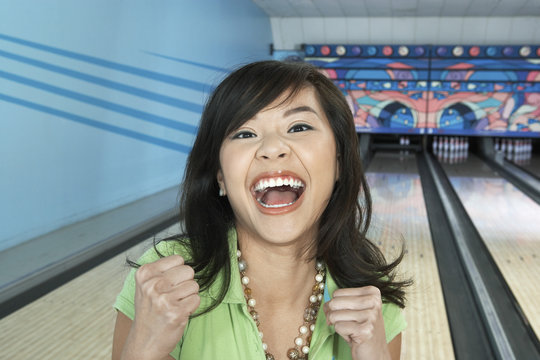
{"x":342,"y":244}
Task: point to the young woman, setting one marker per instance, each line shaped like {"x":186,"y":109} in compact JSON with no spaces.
{"x":274,"y":262}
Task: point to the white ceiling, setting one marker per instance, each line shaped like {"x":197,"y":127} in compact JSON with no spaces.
{"x":398,"y":8}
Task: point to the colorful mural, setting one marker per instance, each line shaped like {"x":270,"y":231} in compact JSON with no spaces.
{"x":457,"y":90}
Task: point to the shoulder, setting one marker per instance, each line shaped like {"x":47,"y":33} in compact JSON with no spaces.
{"x":394,"y":320}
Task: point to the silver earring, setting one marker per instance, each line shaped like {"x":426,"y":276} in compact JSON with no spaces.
{"x":221,"y":192}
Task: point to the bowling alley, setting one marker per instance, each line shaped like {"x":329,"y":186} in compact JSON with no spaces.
{"x":270,"y":179}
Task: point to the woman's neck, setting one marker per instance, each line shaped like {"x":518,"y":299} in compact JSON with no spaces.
{"x":276,"y":272}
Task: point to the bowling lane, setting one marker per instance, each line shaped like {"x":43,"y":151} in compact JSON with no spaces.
{"x":509,"y":223}
{"x":532,"y":164}
{"x":76,"y":320}
{"x":399,"y":213}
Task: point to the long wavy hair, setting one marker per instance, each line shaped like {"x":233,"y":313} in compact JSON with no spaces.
{"x":352,"y":259}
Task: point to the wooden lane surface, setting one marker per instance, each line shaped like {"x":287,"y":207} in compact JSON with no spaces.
{"x":75,"y":321}
{"x":509,"y":223}
{"x":399,"y":215}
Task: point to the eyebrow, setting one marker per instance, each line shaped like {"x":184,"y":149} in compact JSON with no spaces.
{"x":300,"y":109}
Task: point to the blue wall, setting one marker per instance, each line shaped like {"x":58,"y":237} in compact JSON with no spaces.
{"x":100,"y":100}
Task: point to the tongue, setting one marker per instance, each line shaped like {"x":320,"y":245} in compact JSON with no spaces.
{"x":279,"y":197}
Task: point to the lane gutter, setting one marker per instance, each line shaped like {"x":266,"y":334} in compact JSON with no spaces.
{"x":504,"y":326}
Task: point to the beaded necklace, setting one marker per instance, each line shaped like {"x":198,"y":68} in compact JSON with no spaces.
{"x":302,"y":342}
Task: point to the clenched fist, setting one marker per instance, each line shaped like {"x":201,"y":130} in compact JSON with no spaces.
{"x":166,"y":294}
{"x":357,"y":316}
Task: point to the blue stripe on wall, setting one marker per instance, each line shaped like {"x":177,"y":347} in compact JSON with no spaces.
{"x":159,"y":120}
{"x":198,"y":64}
{"x":190,"y":84}
{"x":182,"y":104}
{"x":99,"y":125}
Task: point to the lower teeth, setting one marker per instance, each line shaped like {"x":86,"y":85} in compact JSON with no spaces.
{"x":274,"y":206}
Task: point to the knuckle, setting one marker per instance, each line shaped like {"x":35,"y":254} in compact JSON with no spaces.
{"x":196,"y":301}
{"x":162,"y":284}
{"x":190,"y":272}
{"x":331,"y":317}
{"x":374,"y":290}
{"x":196,"y":286}
{"x":377,"y":303}
{"x":177,"y":258}
{"x":331,"y":305}
{"x":189,"y":287}
{"x":191,"y":304}
{"x":149,"y":287}
{"x":142,"y":272}
{"x":162,"y":304}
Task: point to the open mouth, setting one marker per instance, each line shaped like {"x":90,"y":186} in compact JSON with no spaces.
{"x":278,"y":192}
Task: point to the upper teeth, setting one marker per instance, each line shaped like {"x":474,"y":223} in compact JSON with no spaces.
{"x":264,"y":184}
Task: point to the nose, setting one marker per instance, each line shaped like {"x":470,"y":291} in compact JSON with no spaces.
{"x":272,"y":147}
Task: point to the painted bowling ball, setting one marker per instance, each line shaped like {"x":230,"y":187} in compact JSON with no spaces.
{"x":371,"y":50}
{"x":441,"y":51}
{"x":491,"y":51}
{"x":396,"y":115}
{"x":325,"y":50}
{"x":457,"y":51}
{"x":310,"y":50}
{"x":525,"y":51}
{"x":508,"y":51}
{"x":340,"y":50}
{"x":474,"y":51}
{"x":403,"y":51}
{"x":387,"y":51}
{"x":356,"y":50}
{"x":419,"y":51}
{"x":457,"y":117}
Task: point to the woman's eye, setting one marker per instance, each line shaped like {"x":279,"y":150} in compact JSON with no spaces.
{"x":243,"y":135}
{"x":300,"y":127}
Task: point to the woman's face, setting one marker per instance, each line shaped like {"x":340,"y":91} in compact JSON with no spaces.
{"x":279,"y":169}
